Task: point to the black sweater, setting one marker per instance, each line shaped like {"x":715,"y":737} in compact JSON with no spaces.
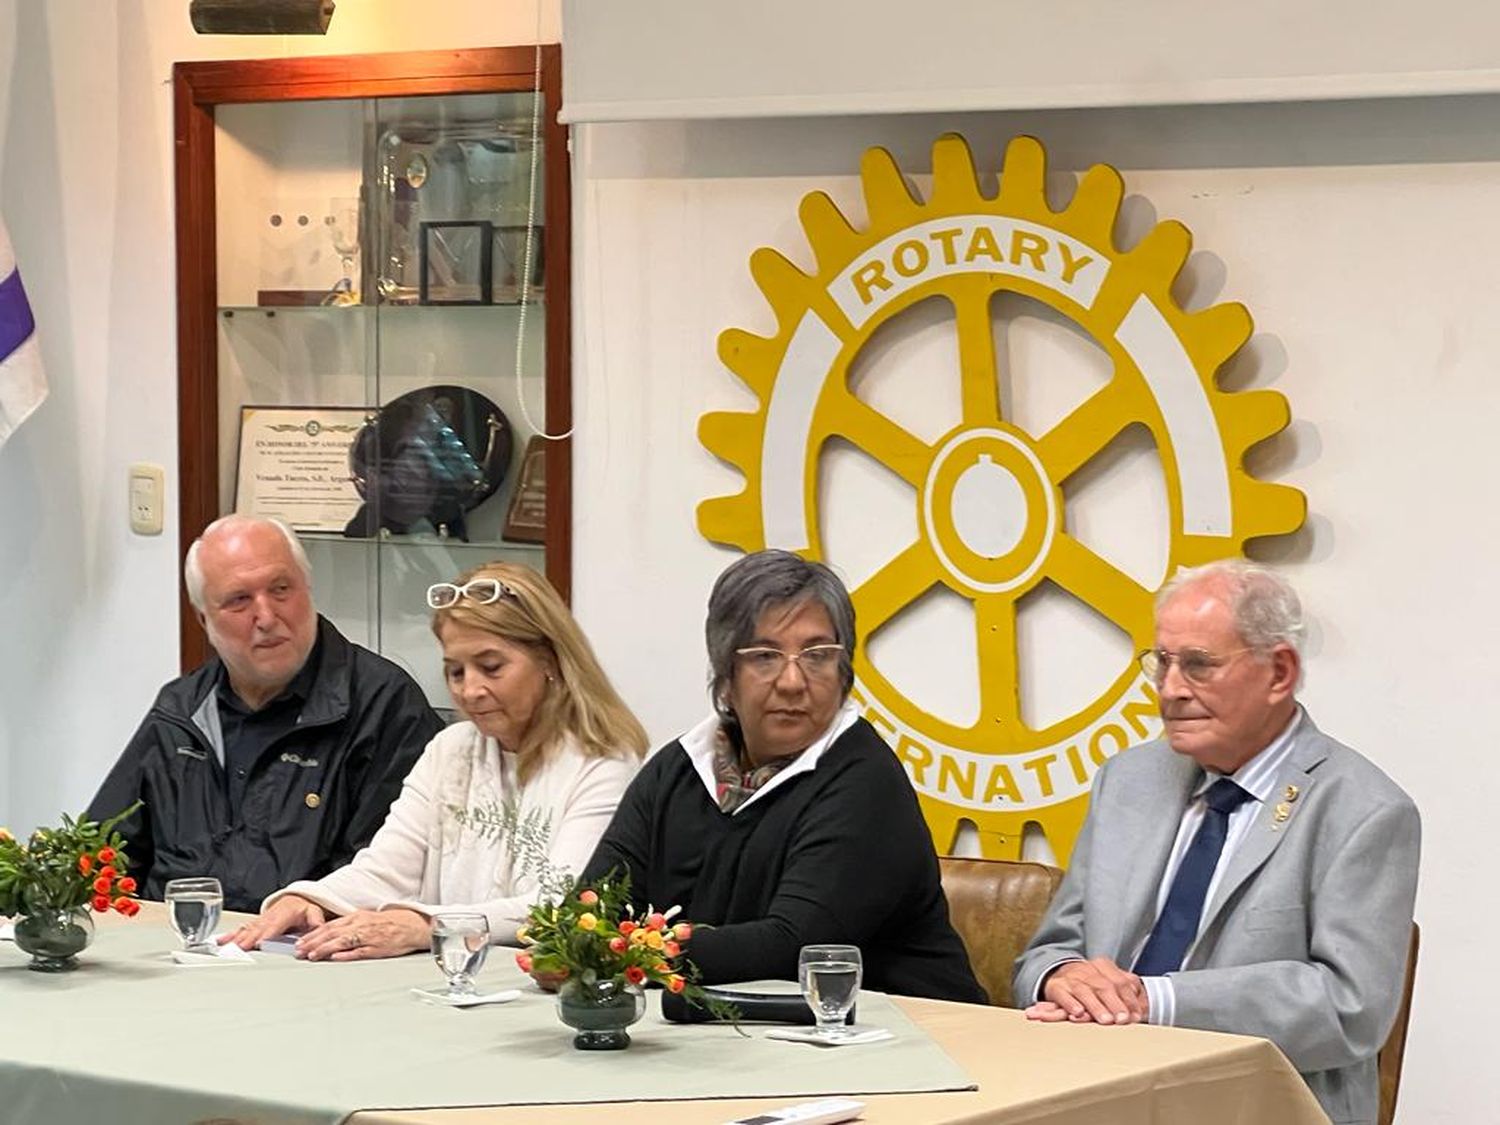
{"x":837,"y":854}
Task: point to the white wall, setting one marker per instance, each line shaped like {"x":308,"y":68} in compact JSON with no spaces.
{"x":1360,"y":235}
{"x":680,"y":59}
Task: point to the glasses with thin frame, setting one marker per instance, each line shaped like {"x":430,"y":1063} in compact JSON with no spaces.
{"x":1198,"y":666}
{"x":817,"y":662}
{"x":480,"y":591}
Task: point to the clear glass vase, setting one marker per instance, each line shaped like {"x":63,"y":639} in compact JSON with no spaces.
{"x":600,"y":1012}
{"x":54,"y":937}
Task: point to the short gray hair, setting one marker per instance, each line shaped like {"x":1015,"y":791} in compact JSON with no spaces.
{"x":762,"y":581}
{"x":1266,"y":610}
{"x":192,"y":569}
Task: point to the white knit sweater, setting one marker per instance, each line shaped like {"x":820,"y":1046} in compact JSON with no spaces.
{"x":422,"y":859}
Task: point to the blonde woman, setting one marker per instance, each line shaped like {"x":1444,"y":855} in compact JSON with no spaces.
{"x":544,"y":731}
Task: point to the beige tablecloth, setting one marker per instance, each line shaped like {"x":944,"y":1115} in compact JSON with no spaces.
{"x":130,"y":1038}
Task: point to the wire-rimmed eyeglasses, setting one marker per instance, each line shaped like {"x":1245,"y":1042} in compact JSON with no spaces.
{"x":1198,"y":666}
{"x":480,"y":591}
{"x":816,"y":661}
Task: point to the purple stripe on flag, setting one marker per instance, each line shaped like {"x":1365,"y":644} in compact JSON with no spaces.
{"x":16,"y":322}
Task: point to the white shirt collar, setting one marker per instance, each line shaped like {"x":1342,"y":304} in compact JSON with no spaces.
{"x":1258,"y":776}
{"x":699,"y":745}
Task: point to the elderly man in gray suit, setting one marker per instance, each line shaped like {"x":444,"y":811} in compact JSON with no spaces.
{"x":1246,"y":873}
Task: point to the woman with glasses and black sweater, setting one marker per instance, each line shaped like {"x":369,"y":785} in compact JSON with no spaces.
{"x":784,"y":819}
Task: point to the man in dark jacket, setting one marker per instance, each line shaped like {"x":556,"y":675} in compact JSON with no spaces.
{"x":278,"y":759}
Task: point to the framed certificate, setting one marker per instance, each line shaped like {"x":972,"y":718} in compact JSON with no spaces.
{"x":294,"y":465}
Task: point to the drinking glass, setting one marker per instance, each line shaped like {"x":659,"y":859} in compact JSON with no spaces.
{"x":343,"y":230}
{"x":193,"y":908}
{"x":460,"y":943}
{"x":829,"y":976}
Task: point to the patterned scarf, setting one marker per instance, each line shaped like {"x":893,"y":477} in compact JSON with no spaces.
{"x":733,"y":782}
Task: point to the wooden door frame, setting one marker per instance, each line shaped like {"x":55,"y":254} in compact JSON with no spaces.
{"x":197,"y":89}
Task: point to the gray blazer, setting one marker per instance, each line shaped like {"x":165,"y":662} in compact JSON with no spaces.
{"x":1304,"y":942}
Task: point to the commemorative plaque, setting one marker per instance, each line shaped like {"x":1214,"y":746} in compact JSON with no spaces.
{"x":526,"y":519}
{"x":294,"y":465}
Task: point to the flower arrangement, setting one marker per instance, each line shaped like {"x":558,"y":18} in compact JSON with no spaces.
{"x":592,"y":933}
{"x":79,"y":864}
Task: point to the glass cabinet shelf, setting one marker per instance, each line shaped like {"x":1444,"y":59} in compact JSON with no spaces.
{"x":399,"y":434}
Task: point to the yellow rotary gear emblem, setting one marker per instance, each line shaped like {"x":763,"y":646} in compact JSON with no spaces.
{"x":990,"y":511}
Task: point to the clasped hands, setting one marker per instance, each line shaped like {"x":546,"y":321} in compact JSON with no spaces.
{"x":1095,"y":991}
{"x":359,"y":936}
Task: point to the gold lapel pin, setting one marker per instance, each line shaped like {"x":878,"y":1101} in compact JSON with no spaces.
{"x":1283,"y":811}
{"x":1292,"y":792}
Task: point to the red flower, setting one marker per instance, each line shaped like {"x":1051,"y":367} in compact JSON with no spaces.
{"x":627,"y":927}
{"x":655,"y":922}
{"x":108,"y":873}
{"x":588,"y":898}
{"x":127,"y":885}
{"x":85,"y":864}
{"x":675,"y":983}
{"x":671,"y":948}
{"x":102,"y":885}
{"x":635,"y":974}
{"x":122,"y":904}
{"x":100,"y":903}
{"x":524,"y":961}
{"x":618,"y":945}
{"x":106,"y":855}
{"x":131,"y":908}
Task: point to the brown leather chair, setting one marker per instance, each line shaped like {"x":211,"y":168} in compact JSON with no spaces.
{"x":1388,"y":1061}
{"x":996,"y":905}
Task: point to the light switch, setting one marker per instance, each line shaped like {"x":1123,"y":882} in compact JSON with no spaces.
{"x":147,"y":485}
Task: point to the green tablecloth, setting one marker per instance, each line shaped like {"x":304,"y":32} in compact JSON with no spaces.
{"x":132,"y":1039}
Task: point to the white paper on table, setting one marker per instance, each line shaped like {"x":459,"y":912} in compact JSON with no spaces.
{"x":7,"y":932}
{"x":230,"y":954}
{"x":845,"y":1038}
{"x":467,"y":1001}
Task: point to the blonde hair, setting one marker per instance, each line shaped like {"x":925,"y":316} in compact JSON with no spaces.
{"x":580,"y":701}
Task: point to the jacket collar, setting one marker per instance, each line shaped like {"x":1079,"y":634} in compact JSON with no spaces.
{"x":183,"y":700}
{"x":1294,"y":782}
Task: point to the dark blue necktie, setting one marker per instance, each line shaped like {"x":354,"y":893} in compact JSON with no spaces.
{"x":1177,"y":926}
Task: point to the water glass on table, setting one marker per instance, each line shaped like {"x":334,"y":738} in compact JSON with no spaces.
{"x":460,"y":943}
{"x":193,"y":908}
{"x":830,"y":976}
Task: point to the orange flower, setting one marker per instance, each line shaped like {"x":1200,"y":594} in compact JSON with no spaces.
{"x":100,"y":903}
{"x":107,"y":873}
{"x":675,"y":983}
{"x":655,"y":922}
{"x":102,"y":885}
{"x":106,"y":855}
{"x":588,"y":898}
{"x":85,"y":864}
{"x":671,"y":948}
{"x":127,"y":885}
{"x":131,"y":908}
{"x":627,"y":927}
{"x":524,"y":961}
{"x":618,"y":945}
{"x":122,"y":904}
{"x":635,"y":974}
{"x":682,"y":931}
